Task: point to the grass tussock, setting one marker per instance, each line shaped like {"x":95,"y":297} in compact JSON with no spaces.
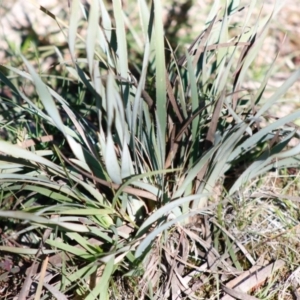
{"x":133,"y":168}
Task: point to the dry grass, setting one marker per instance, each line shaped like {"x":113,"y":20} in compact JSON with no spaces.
{"x":265,"y":216}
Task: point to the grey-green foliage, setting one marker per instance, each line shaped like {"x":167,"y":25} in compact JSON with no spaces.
{"x":156,"y":153}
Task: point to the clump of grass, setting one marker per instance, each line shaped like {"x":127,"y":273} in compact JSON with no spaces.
{"x":120,"y":174}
